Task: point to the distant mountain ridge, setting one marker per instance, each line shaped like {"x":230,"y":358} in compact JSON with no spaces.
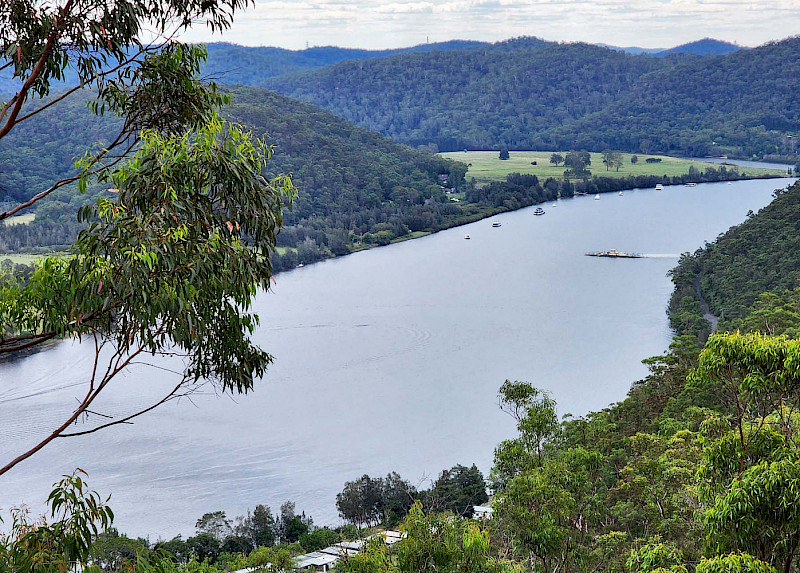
{"x":236,"y":64}
{"x":704,"y":47}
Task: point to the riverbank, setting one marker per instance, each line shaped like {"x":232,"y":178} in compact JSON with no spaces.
{"x":482,"y":201}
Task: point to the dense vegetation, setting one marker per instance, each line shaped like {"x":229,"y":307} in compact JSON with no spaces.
{"x":695,"y":471}
{"x":234,"y":64}
{"x":355,"y":188}
{"x":354,"y":182}
{"x":760,"y":255}
{"x":568,"y":96}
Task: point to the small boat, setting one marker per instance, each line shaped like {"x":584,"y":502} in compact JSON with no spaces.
{"x":538,"y":211}
{"x":730,"y":183}
{"x":597,"y":197}
{"x":659,"y":187}
{"x":555,"y":205}
{"x":614,"y":254}
{"x":621,"y":193}
{"x":467,"y":236}
{"x":691,"y":184}
{"x":496,"y":224}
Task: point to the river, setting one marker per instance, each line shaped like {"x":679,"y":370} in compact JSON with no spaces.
{"x":386,"y":360}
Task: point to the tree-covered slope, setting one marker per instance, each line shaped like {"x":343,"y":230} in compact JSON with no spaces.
{"x":704,"y":47}
{"x":564,"y":96}
{"x":350,"y":180}
{"x":760,"y":255}
{"x":251,"y":65}
{"x":515,"y":96}
{"x":745,"y":102}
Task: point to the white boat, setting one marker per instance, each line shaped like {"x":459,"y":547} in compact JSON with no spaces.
{"x":467,"y":236}
{"x":691,"y":184}
{"x":597,"y":197}
{"x":554,"y":205}
{"x":496,"y":224}
{"x":659,"y":187}
{"x":621,"y":193}
{"x":730,"y":183}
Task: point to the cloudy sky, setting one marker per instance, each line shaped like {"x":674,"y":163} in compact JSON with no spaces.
{"x":386,"y":24}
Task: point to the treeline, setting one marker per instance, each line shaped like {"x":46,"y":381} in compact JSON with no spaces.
{"x":567,"y":96}
{"x":760,"y":255}
{"x":260,"y":537}
{"x":251,"y":540}
{"x":386,"y":501}
{"x":520,"y":190}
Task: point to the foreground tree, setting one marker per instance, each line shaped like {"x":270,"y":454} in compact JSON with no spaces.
{"x":144,"y":276}
{"x":78,"y":516}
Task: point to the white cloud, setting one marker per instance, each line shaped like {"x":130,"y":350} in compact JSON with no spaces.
{"x":385,"y":23}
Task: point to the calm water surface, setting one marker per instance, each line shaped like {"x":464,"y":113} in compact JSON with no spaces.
{"x":386,"y":360}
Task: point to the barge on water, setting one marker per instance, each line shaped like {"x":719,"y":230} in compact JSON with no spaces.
{"x":615,"y":254}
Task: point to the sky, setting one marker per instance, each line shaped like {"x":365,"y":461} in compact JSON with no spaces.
{"x":296,"y":24}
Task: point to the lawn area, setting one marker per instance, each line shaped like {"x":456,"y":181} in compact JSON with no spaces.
{"x":486,"y":165}
{"x":20,"y":259}
{"x":20,"y":219}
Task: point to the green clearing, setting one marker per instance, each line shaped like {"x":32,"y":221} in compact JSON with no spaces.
{"x":20,"y":219}
{"x":486,"y":165}
{"x":20,"y":259}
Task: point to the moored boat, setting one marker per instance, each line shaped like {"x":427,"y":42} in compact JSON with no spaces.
{"x":597,"y":197}
{"x":538,"y":211}
{"x":467,"y":236}
{"x":659,"y":187}
{"x":496,"y":224}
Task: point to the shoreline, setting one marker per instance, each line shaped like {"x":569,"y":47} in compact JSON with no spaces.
{"x":488,"y":212}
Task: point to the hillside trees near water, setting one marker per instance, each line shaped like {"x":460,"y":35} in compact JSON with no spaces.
{"x":759,"y":255}
{"x":355,"y":186}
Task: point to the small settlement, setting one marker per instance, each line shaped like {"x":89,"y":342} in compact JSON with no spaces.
{"x":324,"y":559}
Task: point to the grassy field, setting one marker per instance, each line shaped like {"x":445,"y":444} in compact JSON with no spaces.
{"x":20,"y":219}
{"x":20,"y":259}
{"x":486,"y":165}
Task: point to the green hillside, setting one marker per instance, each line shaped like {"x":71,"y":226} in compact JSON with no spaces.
{"x":568,"y":96}
{"x":760,"y":255}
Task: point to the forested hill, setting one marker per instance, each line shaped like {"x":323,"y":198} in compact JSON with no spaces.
{"x":481,"y":99}
{"x":248,"y":65}
{"x":349,"y":179}
{"x":704,"y":47}
{"x":760,"y":255}
{"x":567,"y":96}
{"x":235,"y":64}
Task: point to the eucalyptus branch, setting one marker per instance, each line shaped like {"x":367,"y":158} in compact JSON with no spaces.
{"x":126,"y":420}
{"x":121,"y":137}
{"x":91,"y":394}
{"x":20,"y":97}
{"x":83,"y":83}
{"x":32,"y":340}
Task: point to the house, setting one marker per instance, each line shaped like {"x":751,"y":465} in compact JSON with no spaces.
{"x":481,"y":512}
{"x":316,"y":561}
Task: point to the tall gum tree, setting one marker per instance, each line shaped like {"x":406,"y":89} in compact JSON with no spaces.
{"x":171,"y":258}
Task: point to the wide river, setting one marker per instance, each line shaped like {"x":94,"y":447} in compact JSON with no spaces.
{"x":386,"y":360}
